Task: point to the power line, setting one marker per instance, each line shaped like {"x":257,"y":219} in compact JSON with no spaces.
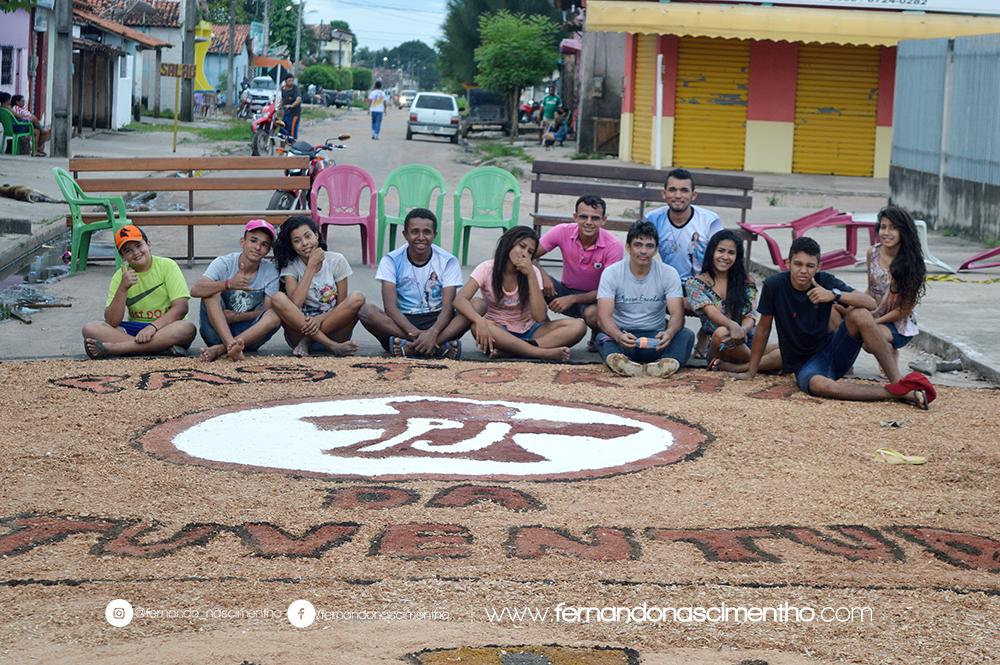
{"x":406,"y":10}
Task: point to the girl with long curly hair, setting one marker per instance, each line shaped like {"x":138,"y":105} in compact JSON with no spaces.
{"x":896,"y":274}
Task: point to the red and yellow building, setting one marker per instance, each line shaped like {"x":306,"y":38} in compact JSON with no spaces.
{"x":750,"y":87}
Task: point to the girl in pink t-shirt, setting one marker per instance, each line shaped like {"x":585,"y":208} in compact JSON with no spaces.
{"x":515,"y":320}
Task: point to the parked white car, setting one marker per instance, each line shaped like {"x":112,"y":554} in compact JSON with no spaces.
{"x":433,"y":113}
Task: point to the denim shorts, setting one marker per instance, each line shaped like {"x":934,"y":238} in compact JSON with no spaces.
{"x":898,"y":341}
{"x":576,"y":311}
{"x":832,"y":361}
{"x":528,"y":334}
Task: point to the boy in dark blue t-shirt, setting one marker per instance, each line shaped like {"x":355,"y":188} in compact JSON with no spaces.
{"x":800,"y":301}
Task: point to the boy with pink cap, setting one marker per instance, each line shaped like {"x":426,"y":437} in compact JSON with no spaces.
{"x":235,"y":294}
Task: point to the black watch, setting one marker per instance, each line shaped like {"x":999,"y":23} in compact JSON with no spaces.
{"x":836,"y":295}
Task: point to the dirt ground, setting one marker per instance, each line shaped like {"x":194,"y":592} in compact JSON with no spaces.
{"x":210,"y":498}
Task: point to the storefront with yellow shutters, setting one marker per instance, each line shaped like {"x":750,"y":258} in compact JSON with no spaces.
{"x":775,"y":88}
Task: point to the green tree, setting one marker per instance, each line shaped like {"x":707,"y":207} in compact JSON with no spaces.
{"x":361,"y":78}
{"x":419,"y":61}
{"x":284,"y":24}
{"x":461,"y":34}
{"x":516,"y":51}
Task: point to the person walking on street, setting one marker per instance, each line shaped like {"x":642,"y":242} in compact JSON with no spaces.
{"x":291,"y":105}
{"x":376,"y":108}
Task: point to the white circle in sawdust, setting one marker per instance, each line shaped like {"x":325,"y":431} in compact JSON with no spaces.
{"x":411,"y":436}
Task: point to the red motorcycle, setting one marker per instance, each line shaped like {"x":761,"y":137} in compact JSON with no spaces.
{"x":530,"y":111}
{"x":266,"y":127}
{"x":292,"y":200}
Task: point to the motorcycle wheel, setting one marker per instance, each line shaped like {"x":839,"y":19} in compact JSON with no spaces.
{"x":281,"y":201}
{"x":260,"y":143}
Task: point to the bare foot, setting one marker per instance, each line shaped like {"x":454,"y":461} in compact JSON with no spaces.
{"x":212,"y":353}
{"x":301,"y":349}
{"x":343,"y":348}
{"x":561,"y":353}
{"x":235,"y":350}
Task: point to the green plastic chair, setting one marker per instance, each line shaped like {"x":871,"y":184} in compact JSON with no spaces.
{"x":76,"y":199}
{"x":489,"y":187}
{"x":415,"y":184}
{"x":7,"y":120}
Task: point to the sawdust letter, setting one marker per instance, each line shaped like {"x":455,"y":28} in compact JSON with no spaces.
{"x":461,"y":496}
{"x":862,"y":544}
{"x":964,"y":550}
{"x":735,"y":545}
{"x":160,"y":380}
{"x":371,"y":498}
{"x":30,"y":531}
{"x":416,"y":541}
{"x":604,"y":544}
{"x":267,"y":540}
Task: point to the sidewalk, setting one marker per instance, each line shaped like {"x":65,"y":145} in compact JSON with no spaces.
{"x":958,"y":317}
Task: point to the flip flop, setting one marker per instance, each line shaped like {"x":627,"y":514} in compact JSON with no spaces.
{"x":890,"y":456}
{"x":451,"y":350}
{"x":397,"y":346}
{"x":913,"y":381}
{"x":176,"y":351}
{"x":102,"y":351}
{"x":713,"y":364}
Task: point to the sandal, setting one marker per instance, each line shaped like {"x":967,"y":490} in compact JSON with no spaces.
{"x":713,"y":364}
{"x":451,"y":350}
{"x":177,"y":351}
{"x":100,"y":351}
{"x":397,"y":346}
{"x":890,"y":456}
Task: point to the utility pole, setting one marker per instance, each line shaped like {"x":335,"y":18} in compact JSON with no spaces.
{"x":62,"y":79}
{"x":230,"y":83}
{"x":298,"y":39}
{"x":267,"y":24}
{"x":187,"y":58}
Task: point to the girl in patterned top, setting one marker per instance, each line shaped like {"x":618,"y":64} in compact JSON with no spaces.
{"x":723,"y":297}
{"x":896,"y":273}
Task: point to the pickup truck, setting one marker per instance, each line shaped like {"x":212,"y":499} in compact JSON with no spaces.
{"x":486,"y":110}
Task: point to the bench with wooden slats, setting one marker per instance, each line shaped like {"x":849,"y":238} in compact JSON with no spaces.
{"x":198,"y":177}
{"x":627,"y":183}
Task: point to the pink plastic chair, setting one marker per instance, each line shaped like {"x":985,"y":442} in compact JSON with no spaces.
{"x":837,"y":258}
{"x":345,"y":185}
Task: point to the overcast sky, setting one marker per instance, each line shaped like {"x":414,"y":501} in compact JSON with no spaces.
{"x":383,"y":23}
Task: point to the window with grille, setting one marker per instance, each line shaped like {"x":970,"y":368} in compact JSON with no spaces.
{"x":6,"y":65}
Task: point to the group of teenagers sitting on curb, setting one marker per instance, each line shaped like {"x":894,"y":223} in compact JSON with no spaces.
{"x":678,"y":260}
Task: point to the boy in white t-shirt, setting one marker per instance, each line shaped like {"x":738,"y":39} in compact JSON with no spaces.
{"x":419,"y":281}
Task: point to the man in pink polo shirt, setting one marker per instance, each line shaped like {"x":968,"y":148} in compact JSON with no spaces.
{"x":587,"y":249}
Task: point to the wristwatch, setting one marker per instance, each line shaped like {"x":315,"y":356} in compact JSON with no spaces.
{"x":836,"y":295}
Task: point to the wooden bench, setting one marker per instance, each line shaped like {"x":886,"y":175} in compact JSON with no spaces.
{"x":195,"y":178}
{"x":627,"y":183}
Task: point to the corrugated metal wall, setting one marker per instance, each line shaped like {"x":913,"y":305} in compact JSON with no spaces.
{"x":973,"y":143}
{"x":973,"y":130}
{"x":645,"y":93}
{"x":916,"y":117}
{"x":711,"y":117}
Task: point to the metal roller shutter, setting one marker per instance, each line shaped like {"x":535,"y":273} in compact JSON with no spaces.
{"x":835,"y":109}
{"x":711,"y":119}
{"x":645,"y":90}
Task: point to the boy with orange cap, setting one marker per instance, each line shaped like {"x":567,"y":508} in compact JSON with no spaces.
{"x":151,"y":292}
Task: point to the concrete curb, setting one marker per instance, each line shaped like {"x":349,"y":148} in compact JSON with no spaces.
{"x":25,"y":246}
{"x":928,"y":341}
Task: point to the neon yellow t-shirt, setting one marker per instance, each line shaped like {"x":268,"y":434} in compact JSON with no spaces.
{"x":150,"y":297}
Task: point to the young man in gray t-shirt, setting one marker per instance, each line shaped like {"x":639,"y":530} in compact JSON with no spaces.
{"x":235,"y":294}
{"x":633,"y":299}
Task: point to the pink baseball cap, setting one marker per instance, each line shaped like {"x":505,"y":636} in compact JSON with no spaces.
{"x":255,"y":224}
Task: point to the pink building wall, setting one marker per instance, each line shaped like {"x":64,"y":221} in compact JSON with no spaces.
{"x":15,"y":30}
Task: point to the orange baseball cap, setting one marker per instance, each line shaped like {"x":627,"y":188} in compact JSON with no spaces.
{"x":126,"y":234}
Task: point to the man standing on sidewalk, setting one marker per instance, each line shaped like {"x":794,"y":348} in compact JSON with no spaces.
{"x":376,"y":108}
